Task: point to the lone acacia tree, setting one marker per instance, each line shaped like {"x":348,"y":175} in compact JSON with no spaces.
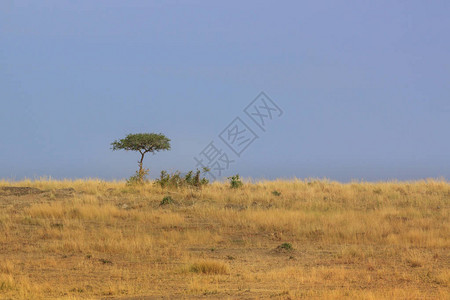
{"x":143,"y":143}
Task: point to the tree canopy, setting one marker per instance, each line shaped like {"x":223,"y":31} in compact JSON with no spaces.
{"x":142,"y":142}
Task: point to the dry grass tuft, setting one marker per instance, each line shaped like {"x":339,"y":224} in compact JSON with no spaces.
{"x":209,"y":267}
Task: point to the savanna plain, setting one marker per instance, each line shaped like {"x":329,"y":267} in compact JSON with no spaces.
{"x":282,"y":239}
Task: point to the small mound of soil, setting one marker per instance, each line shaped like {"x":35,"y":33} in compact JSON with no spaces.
{"x":20,"y":191}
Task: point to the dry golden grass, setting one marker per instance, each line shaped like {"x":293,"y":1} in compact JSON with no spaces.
{"x":95,"y":239}
{"x":209,"y":267}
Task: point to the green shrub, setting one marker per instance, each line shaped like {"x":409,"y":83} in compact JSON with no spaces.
{"x":166,"y":200}
{"x":195,"y":179}
{"x":235,"y":181}
{"x":285,"y":246}
{"x":175,"y":180}
{"x":276,"y":193}
{"x":138,"y":178}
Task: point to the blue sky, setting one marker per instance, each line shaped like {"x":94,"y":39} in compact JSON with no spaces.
{"x":364,"y":86}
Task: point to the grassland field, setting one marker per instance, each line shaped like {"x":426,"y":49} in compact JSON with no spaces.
{"x":282,"y":239}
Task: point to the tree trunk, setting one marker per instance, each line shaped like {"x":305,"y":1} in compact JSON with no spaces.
{"x":141,"y":167}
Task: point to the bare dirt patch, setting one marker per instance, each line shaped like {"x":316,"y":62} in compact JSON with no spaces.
{"x":19,"y":191}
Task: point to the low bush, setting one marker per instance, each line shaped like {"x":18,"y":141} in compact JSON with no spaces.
{"x":235,"y":181}
{"x":285,"y":246}
{"x":276,"y":193}
{"x":175,"y":180}
{"x":166,"y":200}
{"x":138,"y":178}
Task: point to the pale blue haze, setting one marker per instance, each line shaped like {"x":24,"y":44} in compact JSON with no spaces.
{"x":365,"y":85}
